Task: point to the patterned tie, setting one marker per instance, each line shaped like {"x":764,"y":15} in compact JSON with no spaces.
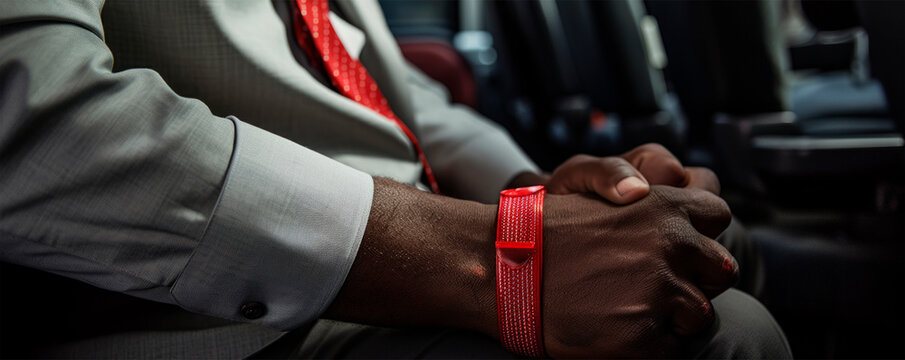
{"x":348,"y":75}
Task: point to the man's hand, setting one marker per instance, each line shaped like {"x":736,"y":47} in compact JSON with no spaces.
{"x":661,"y":167}
{"x":623,"y":179}
{"x":619,"y":281}
{"x":629,"y":281}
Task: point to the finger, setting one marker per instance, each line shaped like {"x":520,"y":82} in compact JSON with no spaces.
{"x":617,"y":181}
{"x":708,"y":213}
{"x":716,"y":268}
{"x":700,"y":260}
{"x":702,"y":178}
{"x":657,"y":164}
{"x":612,"y":178}
{"x":693,"y":311}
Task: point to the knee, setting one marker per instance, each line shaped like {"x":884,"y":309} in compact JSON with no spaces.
{"x":744,"y":329}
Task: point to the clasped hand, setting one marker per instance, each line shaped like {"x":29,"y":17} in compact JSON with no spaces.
{"x":632,"y":275}
{"x":629,"y":265}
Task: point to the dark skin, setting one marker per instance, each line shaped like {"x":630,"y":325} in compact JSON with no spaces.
{"x":619,"y":281}
{"x":651,"y":164}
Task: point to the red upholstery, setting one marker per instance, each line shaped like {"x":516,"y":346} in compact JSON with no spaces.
{"x":440,"y":61}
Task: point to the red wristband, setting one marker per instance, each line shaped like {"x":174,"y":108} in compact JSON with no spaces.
{"x":519,"y":264}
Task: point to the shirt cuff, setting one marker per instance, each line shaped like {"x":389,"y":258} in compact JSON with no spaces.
{"x":282,"y":237}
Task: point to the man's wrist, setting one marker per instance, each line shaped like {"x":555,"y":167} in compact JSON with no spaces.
{"x":477,"y":234}
{"x":425,"y":260}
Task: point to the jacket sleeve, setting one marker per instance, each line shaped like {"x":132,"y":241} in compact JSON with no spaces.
{"x":473,"y":157}
{"x":115,"y":180}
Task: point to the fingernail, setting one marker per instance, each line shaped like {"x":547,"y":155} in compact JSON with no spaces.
{"x":629,"y":184}
{"x":728,"y":264}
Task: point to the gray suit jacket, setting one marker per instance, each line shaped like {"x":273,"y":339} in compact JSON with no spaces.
{"x":119,"y":168}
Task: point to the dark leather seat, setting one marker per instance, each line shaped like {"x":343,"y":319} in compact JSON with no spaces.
{"x":729,"y":59}
{"x":577,"y":77}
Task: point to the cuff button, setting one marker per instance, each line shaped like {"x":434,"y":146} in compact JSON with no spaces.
{"x":253,"y":310}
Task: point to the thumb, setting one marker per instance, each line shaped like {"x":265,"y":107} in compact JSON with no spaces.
{"x":613,"y":178}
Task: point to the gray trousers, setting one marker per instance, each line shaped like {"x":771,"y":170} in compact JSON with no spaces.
{"x":744,"y":329}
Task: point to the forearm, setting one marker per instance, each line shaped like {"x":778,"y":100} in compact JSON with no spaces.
{"x":425,"y":260}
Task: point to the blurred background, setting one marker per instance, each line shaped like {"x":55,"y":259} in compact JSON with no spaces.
{"x":796,"y":104}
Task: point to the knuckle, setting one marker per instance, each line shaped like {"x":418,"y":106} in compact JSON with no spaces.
{"x":613,"y":161}
{"x":677,"y":234}
{"x":706,"y":313}
{"x":700,"y":307}
{"x":616,"y":166}
{"x":573,"y":162}
{"x":714,"y":204}
{"x":580,"y":158}
{"x":698,"y":195}
{"x":653,"y":148}
{"x":724,"y":214}
{"x":674,"y":173}
{"x":707,"y":173}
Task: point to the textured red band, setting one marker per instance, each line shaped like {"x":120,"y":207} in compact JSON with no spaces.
{"x":519,"y":264}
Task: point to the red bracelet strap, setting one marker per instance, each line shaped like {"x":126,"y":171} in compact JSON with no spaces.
{"x":519,"y":264}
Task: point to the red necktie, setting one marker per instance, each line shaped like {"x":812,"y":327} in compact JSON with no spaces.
{"x":348,"y":75}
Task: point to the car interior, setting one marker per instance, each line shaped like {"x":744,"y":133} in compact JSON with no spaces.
{"x":797,"y":105}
